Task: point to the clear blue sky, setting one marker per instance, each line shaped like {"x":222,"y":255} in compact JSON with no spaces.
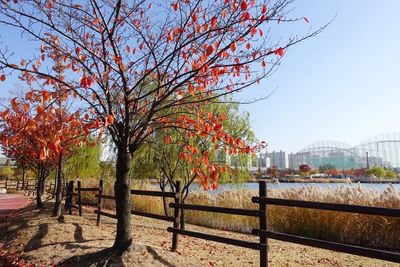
{"x":343,"y":84}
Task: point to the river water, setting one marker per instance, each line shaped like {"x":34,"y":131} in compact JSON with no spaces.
{"x":254,"y":186}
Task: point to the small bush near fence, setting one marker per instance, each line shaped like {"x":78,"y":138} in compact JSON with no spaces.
{"x":357,"y":229}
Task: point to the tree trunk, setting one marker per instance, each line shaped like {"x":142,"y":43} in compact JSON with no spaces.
{"x":123,"y":239}
{"x":23,"y":176}
{"x":59,"y":182}
{"x":185,"y":193}
{"x":165,"y":205}
{"x":164,"y":199}
{"x":44,"y":180}
{"x":39,"y":187}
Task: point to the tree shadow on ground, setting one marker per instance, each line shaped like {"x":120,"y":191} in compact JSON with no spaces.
{"x":103,"y":258}
{"x":36,"y":240}
{"x":158,"y":258}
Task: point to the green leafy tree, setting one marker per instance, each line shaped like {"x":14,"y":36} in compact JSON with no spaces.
{"x":6,"y":171}
{"x":172,"y":156}
{"x":85,"y":163}
{"x":381,"y":172}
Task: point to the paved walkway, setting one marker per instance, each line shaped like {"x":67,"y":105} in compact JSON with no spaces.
{"x":10,"y":203}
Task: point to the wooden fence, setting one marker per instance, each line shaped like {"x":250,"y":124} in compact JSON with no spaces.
{"x":30,"y":186}
{"x":262,"y":232}
{"x":70,"y":204}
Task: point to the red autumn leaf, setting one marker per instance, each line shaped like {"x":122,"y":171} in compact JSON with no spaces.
{"x":176,"y":6}
{"x":214,"y":186}
{"x":39,"y":110}
{"x":26,"y":107}
{"x":248,"y":46}
{"x":264,"y":9}
{"x":58,"y":147}
{"x":87,"y":82}
{"x":253,"y":31}
{"x":247,"y":149}
{"x":168,"y":139}
{"x":214,"y":22}
{"x":42,"y":154}
{"x":279,"y":51}
{"x":96,"y":21}
{"x":233,"y":46}
{"x":2,"y":77}
{"x":110,"y":119}
{"x":70,"y":118}
{"x":243,"y":5}
{"x":209,"y":50}
{"x":191,"y":89}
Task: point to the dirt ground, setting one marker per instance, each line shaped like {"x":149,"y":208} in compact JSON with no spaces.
{"x":76,"y":241}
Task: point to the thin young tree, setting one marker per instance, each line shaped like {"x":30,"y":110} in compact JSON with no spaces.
{"x":177,"y":157}
{"x":186,"y":52}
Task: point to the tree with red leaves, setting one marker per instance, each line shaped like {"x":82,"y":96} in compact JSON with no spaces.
{"x":39,"y":136}
{"x":130,"y":61}
{"x":305,"y":168}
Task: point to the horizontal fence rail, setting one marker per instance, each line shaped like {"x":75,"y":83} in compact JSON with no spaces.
{"x":105,"y":196}
{"x":152,"y":215}
{"x":88,"y":189}
{"x":244,"y":212}
{"x":153,"y":193}
{"x":114,"y":216}
{"x":87,"y":203}
{"x":225,"y":240}
{"x":391,"y":212}
{"x":355,"y":250}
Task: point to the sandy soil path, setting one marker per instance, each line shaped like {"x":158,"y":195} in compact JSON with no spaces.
{"x":77,"y":241}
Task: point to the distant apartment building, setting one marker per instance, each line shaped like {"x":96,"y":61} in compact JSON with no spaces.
{"x":259,"y":163}
{"x":278,"y":159}
{"x":293,"y":161}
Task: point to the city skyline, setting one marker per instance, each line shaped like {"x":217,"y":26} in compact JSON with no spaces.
{"x":381,"y":150}
{"x":354,"y":96}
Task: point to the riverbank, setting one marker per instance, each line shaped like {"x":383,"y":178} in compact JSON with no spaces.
{"x":324,"y":180}
{"x":76,"y":241}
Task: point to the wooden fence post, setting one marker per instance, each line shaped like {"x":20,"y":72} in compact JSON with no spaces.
{"x":263,"y":224}
{"x":79,"y":198}
{"x":177,"y":200}
{"x":99,"y":202}
{"x":6,"y":183}
{"x":17,"y":185}
{"x":70,"y":196}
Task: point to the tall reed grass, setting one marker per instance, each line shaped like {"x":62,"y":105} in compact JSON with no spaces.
{"x":357,"y":229}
